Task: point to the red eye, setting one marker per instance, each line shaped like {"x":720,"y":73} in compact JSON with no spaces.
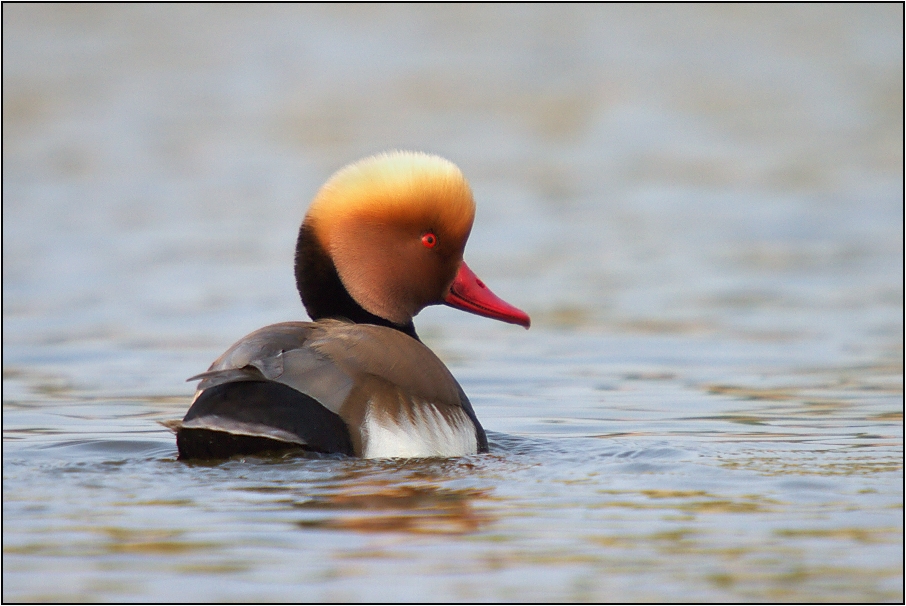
{"x":429,"y":240}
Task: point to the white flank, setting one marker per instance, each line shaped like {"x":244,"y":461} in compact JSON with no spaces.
{"x":429,"y":434}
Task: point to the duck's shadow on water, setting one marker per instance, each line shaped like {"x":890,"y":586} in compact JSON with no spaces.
{"x":428,"y":496}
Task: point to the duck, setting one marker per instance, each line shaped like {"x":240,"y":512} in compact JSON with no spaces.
{"x":382,"y":239}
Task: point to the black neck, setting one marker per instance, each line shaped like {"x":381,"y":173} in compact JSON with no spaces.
{"x":322,"y":292}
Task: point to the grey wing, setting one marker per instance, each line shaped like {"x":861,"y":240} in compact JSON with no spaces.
{"x":282,"y":353}
{"x":269,"y":389}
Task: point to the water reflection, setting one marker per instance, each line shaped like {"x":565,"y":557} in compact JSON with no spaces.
{"x":419,"y":509}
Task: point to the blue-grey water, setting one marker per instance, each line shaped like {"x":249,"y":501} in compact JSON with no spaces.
{"x":700,"y":206}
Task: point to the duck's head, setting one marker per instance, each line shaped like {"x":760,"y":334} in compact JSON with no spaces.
{"x":384,"y":238}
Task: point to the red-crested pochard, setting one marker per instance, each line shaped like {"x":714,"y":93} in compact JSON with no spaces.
{"x":383,"y":239}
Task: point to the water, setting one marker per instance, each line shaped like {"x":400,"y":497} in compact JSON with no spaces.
{"x":700,"y":207}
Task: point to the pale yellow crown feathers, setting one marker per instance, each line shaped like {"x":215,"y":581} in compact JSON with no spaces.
{"x":407,"y":187}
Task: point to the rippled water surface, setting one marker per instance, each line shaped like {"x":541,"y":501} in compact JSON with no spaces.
{"x":700,"y":207}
